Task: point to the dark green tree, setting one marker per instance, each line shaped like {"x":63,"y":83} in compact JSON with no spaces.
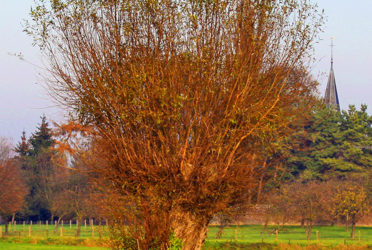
{"x":23,"y":147}
{"x":37,"y":156}
{"x":333,"y":145}
{"x":42,"y":138}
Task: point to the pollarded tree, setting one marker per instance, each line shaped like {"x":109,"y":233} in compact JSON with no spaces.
{"x":181,"y":96}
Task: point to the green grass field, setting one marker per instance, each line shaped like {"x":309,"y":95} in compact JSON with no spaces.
{"x":16,"y":246}
{"x":234,"y":237}
{"x":43,"y":237}
{"x":328,"y":236}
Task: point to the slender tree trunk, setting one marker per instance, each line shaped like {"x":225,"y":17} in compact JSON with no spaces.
{"x":310,"y":221}
{"x":309,"y":229}
{"x":353,"y":222}
{"x":13,"y":217}
{"x":260,"y":185}
{"x":100,"y":228}
{"x":347,"y":223}
{"x":190,"y":229}
{"x":6,"y":219}
{"x":220,"y":231}
{"x":56,"y":225}
{"x":302,"y":221}
{"x":78,"y":229}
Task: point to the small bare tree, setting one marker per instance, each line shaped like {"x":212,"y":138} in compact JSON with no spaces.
{"x":5,"y":149}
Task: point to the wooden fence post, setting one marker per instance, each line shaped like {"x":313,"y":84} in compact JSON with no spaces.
{"x":359,"y":235}
{"x":70,"y":224}
{"x":47,"y":224}
{"x":61,"y":232}
{"x":85,"y":223}
{"x":317,"y":235}
{"x":29,"y":230}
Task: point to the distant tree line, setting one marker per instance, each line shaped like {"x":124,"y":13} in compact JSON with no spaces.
{"x":328,"y":176}
{"x":39,"y":183}
{"x":321,"y":173}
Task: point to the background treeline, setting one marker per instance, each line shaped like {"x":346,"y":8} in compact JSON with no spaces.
{"x":320,"y":174}
{"x":326,"y":173}
{"x":40,"y":183}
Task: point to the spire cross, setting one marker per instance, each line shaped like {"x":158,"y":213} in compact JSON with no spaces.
{"x":332,"y":51}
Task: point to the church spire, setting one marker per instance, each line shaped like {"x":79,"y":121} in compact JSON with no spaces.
{"x":331,"y":96}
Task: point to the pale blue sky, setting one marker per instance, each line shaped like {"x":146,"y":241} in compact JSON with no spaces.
{"x":23,"y":99}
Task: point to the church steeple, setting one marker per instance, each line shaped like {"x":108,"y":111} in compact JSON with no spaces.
{"x":331,"y":96}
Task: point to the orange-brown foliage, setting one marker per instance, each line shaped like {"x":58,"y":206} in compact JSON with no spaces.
{"x":183,"y":97}
{"x":12,"y":188}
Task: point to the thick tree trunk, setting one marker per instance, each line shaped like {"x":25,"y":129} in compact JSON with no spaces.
{"x":192,"y":230}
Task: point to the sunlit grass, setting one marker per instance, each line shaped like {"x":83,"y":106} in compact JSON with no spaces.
{"x":233,"y":237}
{"x":328,"y":236}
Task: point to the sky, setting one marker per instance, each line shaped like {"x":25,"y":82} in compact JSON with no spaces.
{"x":23,"y":97}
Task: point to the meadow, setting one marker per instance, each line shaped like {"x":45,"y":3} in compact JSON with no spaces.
{"x":289,"y":237}
{"x":233,"y":237}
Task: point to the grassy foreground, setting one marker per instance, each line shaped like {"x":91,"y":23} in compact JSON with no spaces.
{"x":16,"y":246}
{"x":233,"y":237}
{"x":289,"y":237}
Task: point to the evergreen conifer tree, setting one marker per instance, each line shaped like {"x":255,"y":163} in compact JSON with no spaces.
{"x":334,"y":145}
{"x":23,"y":147}
{"x":36,"y":156}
